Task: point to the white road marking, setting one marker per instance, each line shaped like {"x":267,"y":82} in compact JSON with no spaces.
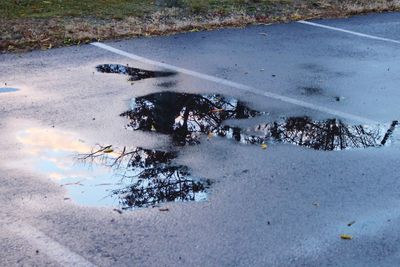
{"x":237,"y":85}
{"x":46,"y":245}
{"x":349,"y":32}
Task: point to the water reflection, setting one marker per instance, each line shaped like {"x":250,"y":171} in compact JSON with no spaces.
{"x":331,"y":134}
{"x":150,"y":177}
{"x":50,"y":152}
{"x":184,"y":116}
{"x":105,"y":176}
{"x":134,"y":74}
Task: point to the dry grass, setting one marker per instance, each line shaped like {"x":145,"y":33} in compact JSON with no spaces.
{"x":26,"y":33}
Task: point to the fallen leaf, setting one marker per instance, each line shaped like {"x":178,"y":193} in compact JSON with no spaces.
{"x":346,"y":237}
{"x":165,"y":209}
{"x":296,"y":16}
{"x":263,"y":33}
{"x":108,"y":150}
{"x":264,"y":146}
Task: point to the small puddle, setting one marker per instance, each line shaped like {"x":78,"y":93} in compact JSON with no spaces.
{"x":104,"y":176}
{"x":184,"y":116}
{"x":8,"y":89}
{"x":134,"y":74}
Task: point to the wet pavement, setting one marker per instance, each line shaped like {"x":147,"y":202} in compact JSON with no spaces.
{"x":129,"y":164}
{"x":130,"y":178}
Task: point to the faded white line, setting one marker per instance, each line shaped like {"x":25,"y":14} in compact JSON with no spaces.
{"x":349,"y":32}
{"x":237,"y":85}
{"x":46,"y":245}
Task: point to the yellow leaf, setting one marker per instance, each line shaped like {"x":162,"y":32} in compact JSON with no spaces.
{"x":264,"y":146}
{"x":346,"y":237}
{"x":108,"y":150}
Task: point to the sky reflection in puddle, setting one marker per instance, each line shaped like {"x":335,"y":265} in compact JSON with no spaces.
{"x":106,"y":177}
{"x":51,"y":152}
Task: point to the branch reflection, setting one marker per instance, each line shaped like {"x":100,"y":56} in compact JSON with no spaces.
{"x":148,"y":177}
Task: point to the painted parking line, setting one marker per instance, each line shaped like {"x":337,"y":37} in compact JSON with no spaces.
{"x":236,"y":85}
{"x":349,"y":32}
{"x":44,"y":244}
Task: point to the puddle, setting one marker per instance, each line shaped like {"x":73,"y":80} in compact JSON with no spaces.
{"x":184,"y":116}
{"x":103,"y":176}
{"x":134,"y":74}
{"x":8,"y":89}
{"x":328,"y":135}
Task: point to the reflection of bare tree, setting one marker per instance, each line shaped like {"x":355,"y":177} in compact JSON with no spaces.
{"x":330,"y":134}
{"x":183,"y":116}
{"x":160,"y":184}
{"x":149,"y":175}
{"x":134,"y":74}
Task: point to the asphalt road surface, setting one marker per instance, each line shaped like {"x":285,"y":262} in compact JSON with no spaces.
{"x":283,"y":186}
